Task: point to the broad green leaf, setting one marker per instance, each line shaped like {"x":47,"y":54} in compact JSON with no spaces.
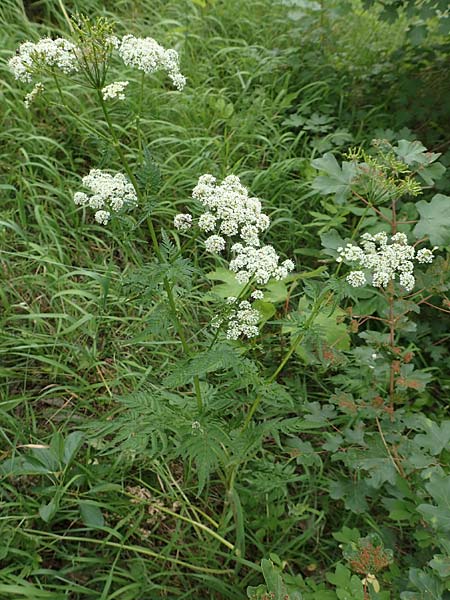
{"x":265,"y":309}
{"x":71,"y":445}
{"x":48,"y":511}
{"x":438,"y":514}
{"x":434,"y":221}
{"x":230,"y":287}
{"x":414,"y":153}
{"x":436,"y":437}
{"x":331,"y":333}
{"x":441,"y":564}
{"x":336,"y":180}
{"x":353,"y":493}
{"x":428,"y":587}
{"x":341,"y":576}
{"x":273,"y":579}
{"x":91,"y":514}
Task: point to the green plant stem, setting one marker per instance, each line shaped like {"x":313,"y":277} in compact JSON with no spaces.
{"x":157,"y":249}
{"x":196,"y":524}
{"x":287,"y":356}
{"x":130,"y":548}
{"x":138,"y":117}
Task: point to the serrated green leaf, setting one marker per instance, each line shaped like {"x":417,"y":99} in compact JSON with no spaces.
{"x":222,"y":356}
{"x":337,"y":180}
{"x":438,"y":514}
{"x":353,"y":493}
{"x":434,"y":221}
{"x":414,"y":153}
{"x":436,"y":437}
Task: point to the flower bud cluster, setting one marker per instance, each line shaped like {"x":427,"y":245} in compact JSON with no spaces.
{"x":383,"y":260}
{"x":147,"y":55}
{"x":109,"y":193}
{"x":114,"y":90}
{"x":59,"y":53}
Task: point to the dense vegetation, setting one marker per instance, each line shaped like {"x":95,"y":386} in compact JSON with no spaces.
{"x":146,"y":453}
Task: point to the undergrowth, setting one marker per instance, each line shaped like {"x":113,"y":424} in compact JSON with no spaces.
{"x":157,"y":443}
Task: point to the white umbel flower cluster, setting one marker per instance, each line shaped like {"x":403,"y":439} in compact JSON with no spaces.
{"x":229,"y":209}
{"x":231,"y":212}
{"x":259,"y":263}
{"x":383,"y":260}
{"x":182,"y":222}
{"x":114,"y":90}
{"x":235,"y":220}
{"x":242,"y":320}
{"x":110,"y":193}
{"x":147,"y":55}
{"x":46,"y":53}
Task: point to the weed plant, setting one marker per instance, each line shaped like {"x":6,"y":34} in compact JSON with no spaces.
{"x":195,"y":404}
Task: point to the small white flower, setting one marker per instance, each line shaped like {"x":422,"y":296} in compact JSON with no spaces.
{"x":147,"y":55}
{"x":215,"y":244}
{"x":102,"y":217}
{"x":114,"y":90}
{"x":384,"y":259}
{"x":243,"y":321}
{"x":182,"y":222}
{"x":407,"y":281}
{"x":113,"y":192}
{"x":356,"y":278}
{"x":261,"y":263}
{"x":257,"y":295}
{"x":207,"y":221}
{"x":80,"y":198}
{"x":46,"y":53}
{"x":29,"y":98}
{"x":425,"y":255}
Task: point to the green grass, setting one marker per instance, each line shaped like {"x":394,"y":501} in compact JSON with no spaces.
{"x":74,"y":339}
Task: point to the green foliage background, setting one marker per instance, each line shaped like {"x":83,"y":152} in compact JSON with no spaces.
{"x":107,"y":490}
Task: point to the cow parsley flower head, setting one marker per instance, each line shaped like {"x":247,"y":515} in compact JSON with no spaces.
{"x":215,"y":244}
{"x":110,"y":193}
{"x":114,"y":90}
{"x":257,"y":295}
{"x":229,"y":207}
{"x":182,"y":221}
{"x":147,"y":55}
{"x":236,"y":221}
{"x":241,"y":320}
{"x":383,"y":259}
{"x":260,"y":263}
{"x":46,"y":53}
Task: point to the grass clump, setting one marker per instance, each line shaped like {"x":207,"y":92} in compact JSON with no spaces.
{"x":209,"y":407}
